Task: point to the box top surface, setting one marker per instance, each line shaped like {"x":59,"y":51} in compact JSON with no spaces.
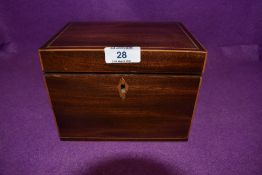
{"x":150,"y":36}
{"x":166,"y":47}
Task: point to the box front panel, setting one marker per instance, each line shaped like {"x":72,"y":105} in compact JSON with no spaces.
{"x":123,"y":106}
{"x":90,"y":61}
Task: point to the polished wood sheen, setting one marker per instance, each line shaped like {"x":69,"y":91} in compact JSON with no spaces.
{"x":166,"y":48}
{"x":161,"y":36}
{"x":189,"y":63}
{"x":151,"y":100}
{"x":89,"y":106}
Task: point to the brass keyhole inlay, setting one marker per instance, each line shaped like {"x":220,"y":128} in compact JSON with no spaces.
{"x":122,"y":88}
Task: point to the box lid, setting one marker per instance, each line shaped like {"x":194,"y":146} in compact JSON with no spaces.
{"x":166,"y":47}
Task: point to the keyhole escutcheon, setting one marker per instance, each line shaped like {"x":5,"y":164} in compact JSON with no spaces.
{"x":122,"y":88}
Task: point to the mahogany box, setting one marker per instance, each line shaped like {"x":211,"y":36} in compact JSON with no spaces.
{"x":123,"y":80}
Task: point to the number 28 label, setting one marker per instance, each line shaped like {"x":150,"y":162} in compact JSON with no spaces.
{"x":122,"y":54}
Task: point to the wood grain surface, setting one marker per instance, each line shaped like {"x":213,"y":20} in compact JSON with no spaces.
{"x":149,"y":35}
{"x":150,"y":100}
{"x":166,"y":47}
{"x":187,"y":63}
{"x":156,"y":107}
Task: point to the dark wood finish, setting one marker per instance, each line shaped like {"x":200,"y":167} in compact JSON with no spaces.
{"x":188,"y":63}
{"x":166,"y":48}
{"x":88,"y":106}
{"x":150,"y":100}
{"x":149,"y":35}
